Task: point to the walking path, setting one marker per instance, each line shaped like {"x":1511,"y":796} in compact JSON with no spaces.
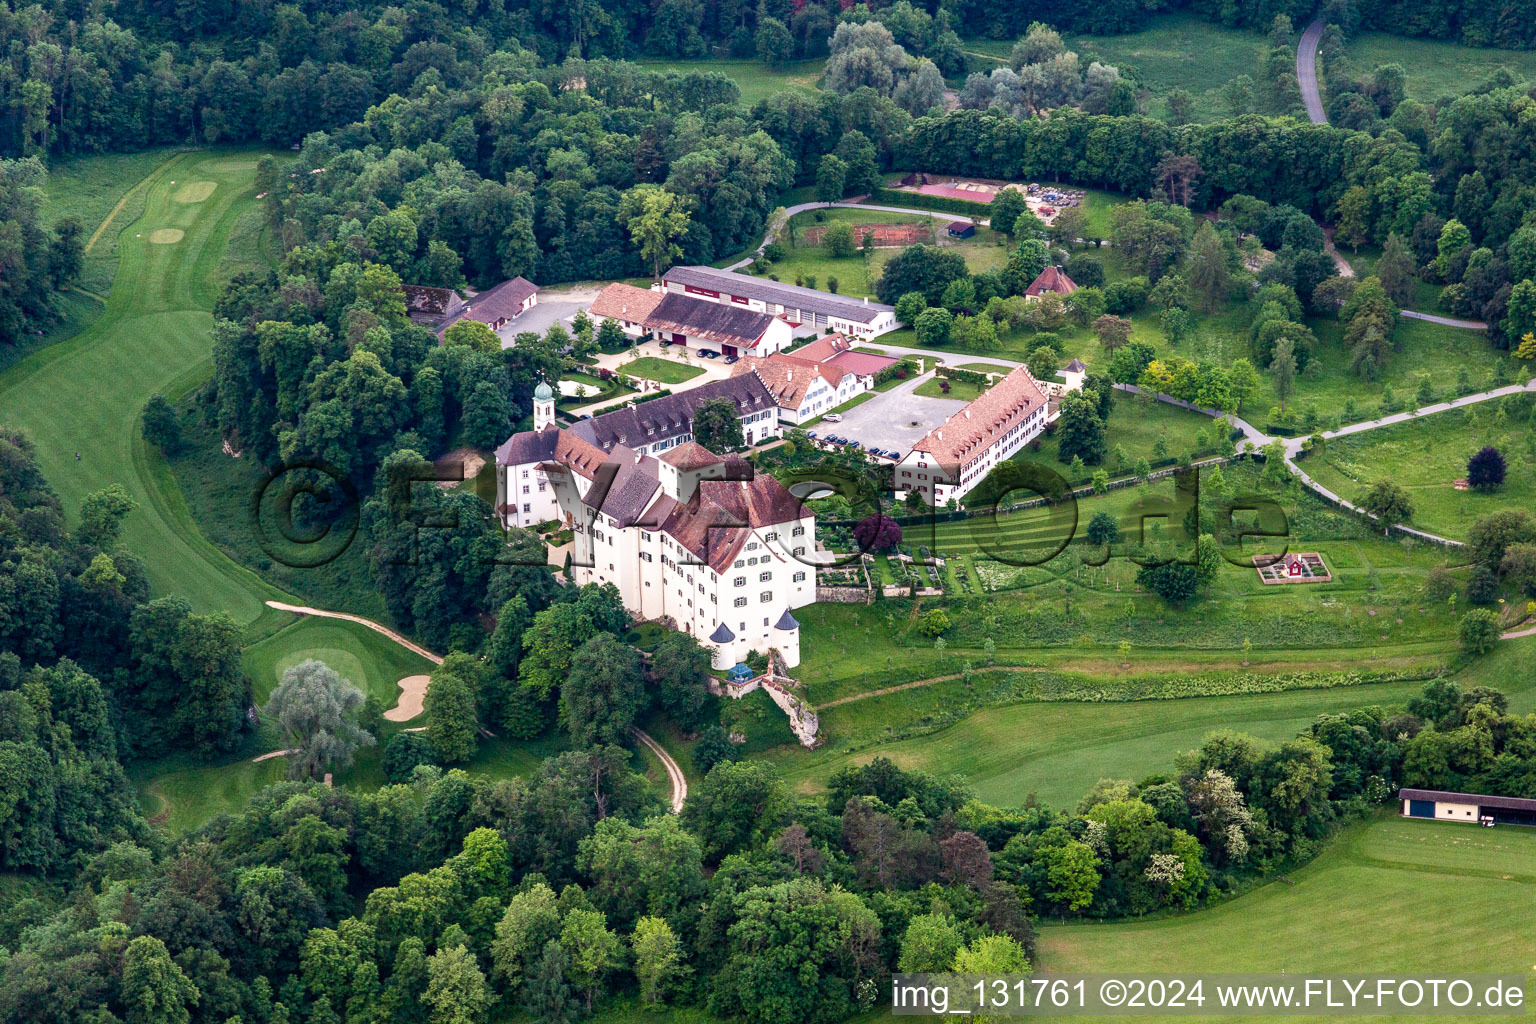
{"x":674,"y":773}
{"x":299,"y":609}
{"x":790,"y":211}
{"x":1445,"y":321}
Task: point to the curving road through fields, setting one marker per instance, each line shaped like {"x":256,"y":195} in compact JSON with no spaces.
{"x":1306,"y":71}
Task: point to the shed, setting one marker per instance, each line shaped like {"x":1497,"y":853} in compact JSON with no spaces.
{"x":961,"y":229}
{"x":1472,"y":808}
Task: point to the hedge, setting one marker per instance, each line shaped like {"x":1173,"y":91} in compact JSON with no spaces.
{"x":894,"y":197}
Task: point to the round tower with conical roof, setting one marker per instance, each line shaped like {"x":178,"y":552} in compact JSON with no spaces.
{"x":543,"y":406}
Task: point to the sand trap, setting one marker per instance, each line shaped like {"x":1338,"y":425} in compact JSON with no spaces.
{"x":412,"y":691}
{"x":195,"y":191}
{"x":166,"y":236}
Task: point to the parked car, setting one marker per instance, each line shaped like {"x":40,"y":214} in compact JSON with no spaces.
{"x":708,"y":353}
{"x":811,"y":434}
{"x":833,"y":417}
{"x":731,"y":359}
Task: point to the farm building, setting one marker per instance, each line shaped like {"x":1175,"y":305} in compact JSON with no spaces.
{"x":625,"y":303}
{"x":496,"y":307}
{"x":807,"y":310}
{"x":961,"y":229}
{"x":1468,"y":807}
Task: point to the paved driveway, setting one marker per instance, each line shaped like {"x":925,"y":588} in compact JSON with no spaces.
{"x":894,"y":419}
{"x":555,"y":304}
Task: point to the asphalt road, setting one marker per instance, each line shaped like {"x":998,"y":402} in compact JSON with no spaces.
{"x":1306,"y":71}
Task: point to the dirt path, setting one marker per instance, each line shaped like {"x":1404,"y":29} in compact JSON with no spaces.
{"x":299,"y":609}
{"x":674,"y":773}
{"x":269,"y":755}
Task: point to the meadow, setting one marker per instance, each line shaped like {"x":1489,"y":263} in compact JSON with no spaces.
{"x":1173,"y":51}
{"x":757,"y":81}
{"x":1426,"y":456}
{"x":1331,"y":915}
{"x":1436,"y":68}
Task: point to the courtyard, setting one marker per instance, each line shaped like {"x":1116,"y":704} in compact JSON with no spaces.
{"x":895,"y":419}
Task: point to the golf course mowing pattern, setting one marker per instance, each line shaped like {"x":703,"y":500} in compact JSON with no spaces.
{"x":1057,"y":750}
{"x":85,"y":395}
{"x":371,"y":663}
{"x":195,"y":191}
{"x":1387,"y":896}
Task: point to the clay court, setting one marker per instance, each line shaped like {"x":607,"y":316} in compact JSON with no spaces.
{"x":885,"y":234}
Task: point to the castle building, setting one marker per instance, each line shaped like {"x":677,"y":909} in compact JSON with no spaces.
{"x":688,"y":537}
{"x":959,"y":453}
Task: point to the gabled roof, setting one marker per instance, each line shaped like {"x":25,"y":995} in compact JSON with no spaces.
{"x":716,"y":522}
{"x":551,"y":445}
{"x":823,"y":348}
{"x":1051,"y":279}
{"x":713,"y":321}
{"x":690,"y":455}
{"x":865,"y":364}
{"x":622,"y":301}
{"x":628,"y":491}
{"x":787,"y":378}
{"x":790,"y":296}
{"x":670,"y":416}
{"x":992,"y":414}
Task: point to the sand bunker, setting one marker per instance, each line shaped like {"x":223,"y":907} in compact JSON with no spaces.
{"x":195,"y":191}
{"x":166,"y":236}
{"x":413,"y":689}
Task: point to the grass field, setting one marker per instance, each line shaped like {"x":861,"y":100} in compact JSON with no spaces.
{"x":1435,"y":68}
{"x":1173,"y":51}
{"x":1359,"y":908}
{"x":347,"y":647}
{"x":756,"y":80}
{"x":668,"y":371}
{"x":152,"y":336}
{"x":1426,"y":456}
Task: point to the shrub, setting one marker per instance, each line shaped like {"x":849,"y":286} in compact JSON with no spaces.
{"x":404,"y":752}
{"x":934,"y":623}
{"x":1479,"y":631}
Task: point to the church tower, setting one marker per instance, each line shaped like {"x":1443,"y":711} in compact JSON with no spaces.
{"x":543,"y":406}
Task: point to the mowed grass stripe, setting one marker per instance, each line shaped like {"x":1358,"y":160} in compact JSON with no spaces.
{"x":1347,"y":911}
{"x":85,"y":395}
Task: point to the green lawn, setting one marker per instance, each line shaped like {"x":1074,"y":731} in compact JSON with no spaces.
{"x":1360,"y":907}
{"x":84,"y":395}
{"x":1057,"y":750}
{"x":756,"y":81}
{"x":668,"y":371}
{"x":355,"y":651}
{"x":960,"y":390}
{"x":1174,"y":50}
{"x":1436,"y":68}
{"x":1427,"y":455}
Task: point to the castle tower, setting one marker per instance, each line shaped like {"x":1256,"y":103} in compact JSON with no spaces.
{"x":543,"y":406}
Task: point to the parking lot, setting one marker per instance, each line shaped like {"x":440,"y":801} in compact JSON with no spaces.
{"x":895,"y":419}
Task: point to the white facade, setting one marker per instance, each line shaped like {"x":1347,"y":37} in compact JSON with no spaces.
{"x":807,"y":310}
{"x":958,"y":455}
{"x":777,"y":336}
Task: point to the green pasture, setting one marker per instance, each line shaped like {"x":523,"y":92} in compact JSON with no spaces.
{"x":1173,"y":51}
{"x":1426,"y":456}
{"x":757,"y":81}
{"x":668,"y":371}
{"x":1436,"y":68}
{"x":1360,"y":907}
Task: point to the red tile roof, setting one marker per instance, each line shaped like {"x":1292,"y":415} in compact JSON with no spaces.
{"x":973,"y":429}
{"x":621,"y":301}
{"x":1051,"y":279}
